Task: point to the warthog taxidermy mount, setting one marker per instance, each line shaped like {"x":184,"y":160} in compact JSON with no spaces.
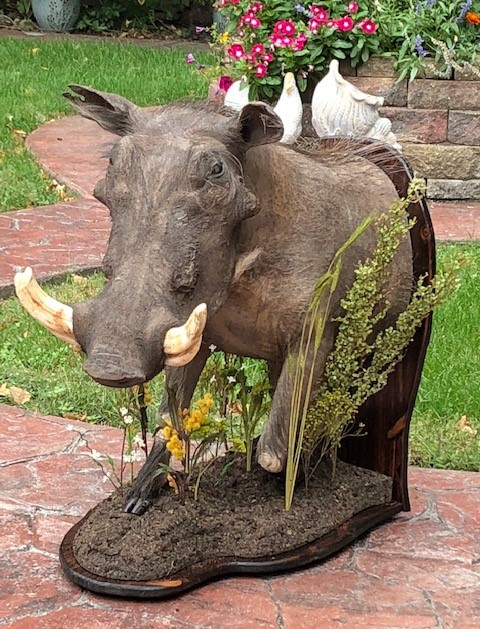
{"x":217,"y":224}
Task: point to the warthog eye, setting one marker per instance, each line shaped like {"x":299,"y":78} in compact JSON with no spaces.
{"x":217,"y":169}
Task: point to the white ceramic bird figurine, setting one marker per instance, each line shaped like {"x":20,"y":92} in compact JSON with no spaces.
{"x":237,"y":95}
{"x":342,"y":110}
{"x":290,"y":110}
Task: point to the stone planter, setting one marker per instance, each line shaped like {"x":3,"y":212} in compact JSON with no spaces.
{"x":56,"y":15}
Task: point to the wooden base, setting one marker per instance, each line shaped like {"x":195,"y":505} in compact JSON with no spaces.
{"x":207,"y":570}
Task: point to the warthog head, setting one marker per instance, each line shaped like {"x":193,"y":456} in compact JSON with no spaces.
{"x":176,"y":196}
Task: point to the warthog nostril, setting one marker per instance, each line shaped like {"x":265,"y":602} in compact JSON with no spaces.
{"x":113,"y":374}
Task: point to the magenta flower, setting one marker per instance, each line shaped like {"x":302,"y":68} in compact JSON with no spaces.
{"x":352,"y":7}
{"x":314,"y":24}
{"x":300,"y":41}
{"x":234,"y":1}
{"x":276,"y":39}
{"x":319,"y":13}
{"x":224,"y":82}
{"x":251,"y":58}
{"x":236,"y":51}
{"x":256,"y":7}
{"x":190,"y":58}
{"x":261,"y":70}
{"x":345,"y":24}
{"x":199,"y":29}
{"x":255,"y":22}
{"x":284,"y":27}
{"x":368,"y":27}
{"x":268,"y":57}
{"x":258,"y":49}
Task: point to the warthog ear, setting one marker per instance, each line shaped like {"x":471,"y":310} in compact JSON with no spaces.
{"x":259,"y":124}
{"x":112,"y":112}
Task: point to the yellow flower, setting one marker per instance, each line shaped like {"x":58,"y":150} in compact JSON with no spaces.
{"x":167,"y":432}
{"x":224,"y":37}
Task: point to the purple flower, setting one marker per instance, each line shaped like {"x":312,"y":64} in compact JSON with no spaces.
{"x":199,"y":29}
{"x":190,"y":58}
{"x":430,"y":4}
{"x":464,"y":9}
{"x":300,"y":8}
{"x":421,"y":52}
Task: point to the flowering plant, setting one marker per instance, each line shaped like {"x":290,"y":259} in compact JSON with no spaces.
{"x":272,"y":37}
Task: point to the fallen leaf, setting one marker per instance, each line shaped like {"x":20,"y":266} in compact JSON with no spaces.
{"x":20,"y":133}
{"x":16,"y":394}
{"x":19,"y":396}
{"x":76,"y":416}
{"x":35,"y":51}
{"x":4,"y":391}
{"x":78,"y":279}
{"x":465,"y":426}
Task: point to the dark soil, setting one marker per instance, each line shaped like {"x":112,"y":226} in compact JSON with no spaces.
{"x":238,"y":515}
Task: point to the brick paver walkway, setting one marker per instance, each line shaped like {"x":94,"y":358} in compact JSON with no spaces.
{"x":420,"y":571}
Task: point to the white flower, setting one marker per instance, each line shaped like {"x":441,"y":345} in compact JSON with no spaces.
{"x":138,"y":441}
{"x":128,"y":419}
{"x":96,"y":456}
{"x":212,"y":379}
{"x":132,"y":457}
{"x":212,"y":347}
{"x":123,"y":411}
{"x":231,"y":379}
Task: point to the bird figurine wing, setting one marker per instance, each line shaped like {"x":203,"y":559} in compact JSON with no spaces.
{"x":290,"y":110}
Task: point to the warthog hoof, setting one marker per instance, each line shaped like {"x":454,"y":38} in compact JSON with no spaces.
{"x":148,"y":482}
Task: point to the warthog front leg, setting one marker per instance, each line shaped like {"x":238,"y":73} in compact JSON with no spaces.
{"x":273,"y":443}
{"x":149,"y":480}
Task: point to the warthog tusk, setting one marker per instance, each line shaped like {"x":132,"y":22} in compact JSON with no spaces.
{"x":182,"y":344}
{"x":52,"y":314}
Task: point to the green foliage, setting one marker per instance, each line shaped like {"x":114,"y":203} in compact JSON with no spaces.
{"x":103,"y":16}
{"x":302,"y":365}
{"x":413,"y":32}
{"x":361,"y":361}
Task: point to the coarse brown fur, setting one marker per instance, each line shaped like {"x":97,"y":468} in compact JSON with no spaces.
{"x":208,"y":207}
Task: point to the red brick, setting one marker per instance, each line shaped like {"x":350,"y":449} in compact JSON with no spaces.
{"x":78,"y":164}
{"x":431,"y":94}
{"x":417,"y":125}
{"x":464,"y":127}
{"x":395,"y":94}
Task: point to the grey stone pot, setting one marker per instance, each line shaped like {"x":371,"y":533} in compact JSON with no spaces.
{"x":56,"y":15}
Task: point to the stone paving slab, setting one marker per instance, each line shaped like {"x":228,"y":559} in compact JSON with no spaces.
{"x":422,"y":570}
{"x":52,"y":240}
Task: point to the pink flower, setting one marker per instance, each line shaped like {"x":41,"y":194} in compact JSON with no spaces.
{"x":251,"y":58}
{"x":261,"y":70}
{"x":319,"y":13}
{"x":255,"y":22}
{"x":300,"y":42}
{"x":352,"y":7}
{"x":199,"y":29}
{"x":224,"y":82}
{"x":368,"y":27}
{"x":234,"y":1}
{"x":256,"y":7}
{"x":190,"y":58}
{"x":268,"y":57}
{"x":345,"y":24}
{"x":314,"y":24}
{"x":284,"y":27}
{"x":276,"y":39}
{"x":258,"y":49}
{"x":236,"y":51}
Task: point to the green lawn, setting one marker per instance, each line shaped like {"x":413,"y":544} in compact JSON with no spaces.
{"x":33,"y":76}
